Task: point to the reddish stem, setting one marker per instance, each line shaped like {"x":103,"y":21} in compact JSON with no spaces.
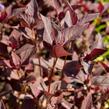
{"x":51,"y":74}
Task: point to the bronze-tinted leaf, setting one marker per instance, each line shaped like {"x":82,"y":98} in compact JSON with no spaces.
{"x":59,"y":51}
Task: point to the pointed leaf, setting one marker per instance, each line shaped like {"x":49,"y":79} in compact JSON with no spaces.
{"x":7,"y":63}
{"x":67,"y":19}
{"x":89,"y":17}
{"x":16,"y":59}
{"x":74,"y":17}
{"x":30,"y":14}
{"x":59,"y":51}
{"x":73,"y":32}
{"x":101,"y":81}
{"x":48,"y":30}
{"x":25,"y":52}
{"x":94,"y":54}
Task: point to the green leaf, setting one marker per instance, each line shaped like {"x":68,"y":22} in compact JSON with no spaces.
{"x":99,"y":28}
{"x":106,"y":41}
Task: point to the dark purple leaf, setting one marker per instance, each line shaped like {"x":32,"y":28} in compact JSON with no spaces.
{"x":94,"y":54}
{"x":74,"y":17}
{"x":61,"y":15}
{"x":48,"y":53}
{"x":72,"y":68}
{"x":76,"y":6}
{"x":106,"y":67}
{"x":28,"y":103}
{"x":3,"y":51}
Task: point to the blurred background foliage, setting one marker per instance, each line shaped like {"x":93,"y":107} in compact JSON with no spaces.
{"x":101,"y":28}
